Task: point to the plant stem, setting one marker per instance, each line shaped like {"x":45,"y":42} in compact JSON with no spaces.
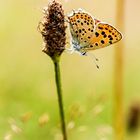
{"x":60,"y":97}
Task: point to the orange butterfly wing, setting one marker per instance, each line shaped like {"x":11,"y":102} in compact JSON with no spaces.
{"x":82,"y":27}
{"x":103,"y":36}
{"x":90,"y":33}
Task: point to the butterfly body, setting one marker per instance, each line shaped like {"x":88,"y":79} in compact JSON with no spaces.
{"x":89,"y":33}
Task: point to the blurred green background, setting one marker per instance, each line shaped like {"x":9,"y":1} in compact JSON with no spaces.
{"x":28,"y":99}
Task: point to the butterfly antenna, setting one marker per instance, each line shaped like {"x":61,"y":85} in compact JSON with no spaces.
{"x":96,"y":59}
{"x":92,"y":56}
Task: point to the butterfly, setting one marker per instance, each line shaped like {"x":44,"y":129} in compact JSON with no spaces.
{"x":89,"y":33}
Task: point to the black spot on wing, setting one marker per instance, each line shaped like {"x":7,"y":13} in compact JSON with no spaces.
{"x":78,"y":21}
{"x":96,"y":44}
{"x":80,"y":30}
{"x":102,"y":32}
{"x":100,"y":27}
{"x":105,"y":36}
{"x":102,"y":41}
{"x":97,"y":34}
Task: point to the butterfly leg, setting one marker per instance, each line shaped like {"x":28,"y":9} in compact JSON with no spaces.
{"x":75,"y":47}
{"x":83,"y":53}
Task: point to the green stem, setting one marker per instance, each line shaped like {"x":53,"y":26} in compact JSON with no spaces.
{"x":59,"y":93}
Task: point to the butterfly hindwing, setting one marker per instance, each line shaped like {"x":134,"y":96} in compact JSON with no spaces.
{"x":103,"y":36}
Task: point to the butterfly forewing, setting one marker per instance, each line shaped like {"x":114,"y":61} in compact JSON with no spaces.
{"x":82,"y":27}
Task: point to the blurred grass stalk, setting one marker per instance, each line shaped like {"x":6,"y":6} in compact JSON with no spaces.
{"x":118,"y":76}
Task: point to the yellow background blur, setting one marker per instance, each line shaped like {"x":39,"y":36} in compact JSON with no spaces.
{"x":27,"y":86}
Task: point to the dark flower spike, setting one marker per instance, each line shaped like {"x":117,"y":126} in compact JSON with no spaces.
{"x":52,"y":27}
